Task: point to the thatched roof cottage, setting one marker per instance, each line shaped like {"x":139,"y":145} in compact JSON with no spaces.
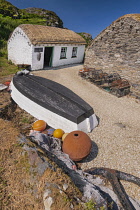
{"x":41,"y":46}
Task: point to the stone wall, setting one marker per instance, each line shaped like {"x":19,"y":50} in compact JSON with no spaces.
{"x":117,"y":49}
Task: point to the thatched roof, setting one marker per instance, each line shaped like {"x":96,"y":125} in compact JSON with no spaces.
{"x":39,"y":34}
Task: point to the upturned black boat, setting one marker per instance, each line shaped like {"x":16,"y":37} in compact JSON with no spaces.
{"x":53,"y":103}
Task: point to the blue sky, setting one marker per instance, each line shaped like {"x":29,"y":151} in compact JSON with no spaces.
{"x":91,"y":16}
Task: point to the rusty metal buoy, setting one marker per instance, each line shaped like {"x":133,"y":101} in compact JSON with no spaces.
{"x":77,"y":145}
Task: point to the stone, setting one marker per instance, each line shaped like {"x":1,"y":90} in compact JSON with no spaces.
{"x":46,"y":193}
{"x":65,"y":187}
{"x":47,"y":203}
{"x":120,"y":125}
{"x":117,"y":55}
{"x":48,"y":200}
{"x":117,"y":48}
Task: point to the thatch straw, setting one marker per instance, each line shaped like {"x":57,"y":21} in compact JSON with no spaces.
{"x":39,"y":34}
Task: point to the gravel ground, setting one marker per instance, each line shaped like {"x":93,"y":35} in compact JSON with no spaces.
{"x":118,"y":134}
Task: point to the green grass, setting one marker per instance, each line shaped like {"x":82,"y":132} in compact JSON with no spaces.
{"x":8,"y":24}
{"x":7,"y":68}
{"x":90,"y":205}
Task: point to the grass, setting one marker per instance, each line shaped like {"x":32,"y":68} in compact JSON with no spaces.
{"x":6,"y":68}
{"x":26,"y":120}
{"x":14,"y":173}
{"x":90,"y":205}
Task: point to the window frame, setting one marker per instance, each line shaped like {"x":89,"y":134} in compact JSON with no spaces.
{"x":63,"y":53}
{"x":74,"y":52}
{"x":38,"y":49}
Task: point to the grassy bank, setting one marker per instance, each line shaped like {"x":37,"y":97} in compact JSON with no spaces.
{"x":7,"y":68}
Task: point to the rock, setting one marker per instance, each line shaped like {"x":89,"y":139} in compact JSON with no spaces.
{"x":47,"y":193}
{"x":48,"y":201}
{"x":65,"y":187}
{"x":120,"y":125}
{"x":71,"y":206}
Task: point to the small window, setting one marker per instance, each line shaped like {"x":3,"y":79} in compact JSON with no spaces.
{"x":63,"y":52}
{"x":39,"y":49}
{"x":74,"y":52}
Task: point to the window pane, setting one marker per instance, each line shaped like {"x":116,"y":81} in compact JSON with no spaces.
{"x":40,"y":49}
{"x":74,"y":52}
{"x":63,"y":52}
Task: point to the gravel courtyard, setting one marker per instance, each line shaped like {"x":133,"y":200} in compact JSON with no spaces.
{"x":117,"y":136}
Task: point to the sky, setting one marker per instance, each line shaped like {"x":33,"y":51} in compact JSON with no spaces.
{"x":90,"y":16}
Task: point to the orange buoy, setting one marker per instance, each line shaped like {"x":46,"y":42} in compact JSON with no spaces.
{"x":58,"y":133}
{"x":39,"y":125}
{"x":77,"y":145}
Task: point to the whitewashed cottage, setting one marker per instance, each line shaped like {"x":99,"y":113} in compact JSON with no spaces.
{"x":41,"y":46}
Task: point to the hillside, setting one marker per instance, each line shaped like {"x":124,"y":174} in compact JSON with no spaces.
{"x":11,"y":17}
{"x":50,"y":18}
{"x":7,"y":9}
{"x":87,"y":37}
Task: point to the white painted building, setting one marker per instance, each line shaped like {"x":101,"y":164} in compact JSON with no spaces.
{"x":42,"y":46}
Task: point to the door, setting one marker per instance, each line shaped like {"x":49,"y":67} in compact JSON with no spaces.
{"x":48,"y":56}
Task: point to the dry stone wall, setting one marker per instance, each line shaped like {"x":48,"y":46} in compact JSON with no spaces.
{"x":117,"y":49}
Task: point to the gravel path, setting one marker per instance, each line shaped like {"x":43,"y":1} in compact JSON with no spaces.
{"x":118,"y":135}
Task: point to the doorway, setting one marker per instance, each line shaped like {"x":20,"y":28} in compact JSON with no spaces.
{"x":48,"y":56}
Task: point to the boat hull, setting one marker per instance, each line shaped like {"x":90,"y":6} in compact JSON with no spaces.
{"x":85,"y":122}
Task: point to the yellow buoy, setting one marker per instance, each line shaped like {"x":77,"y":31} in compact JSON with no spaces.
{"x":39,"y":125}
{"x":64,"y":136}
{"x":58,"y":133}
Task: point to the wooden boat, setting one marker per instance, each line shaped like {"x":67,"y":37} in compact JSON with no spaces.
{"x":49,"y":101}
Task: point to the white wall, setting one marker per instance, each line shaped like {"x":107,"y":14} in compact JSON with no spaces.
{"x":56,"y":61}
{"x":37,"y":64}
{"x":19,"y":48}
{"x":68,"y":60}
